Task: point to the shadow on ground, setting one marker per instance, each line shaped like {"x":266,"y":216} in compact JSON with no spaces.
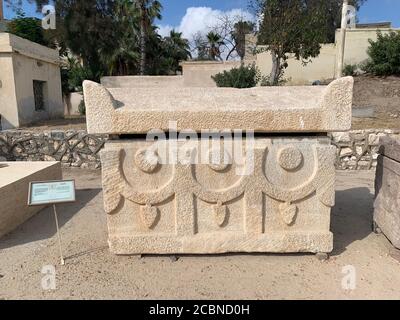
{"x":42,"y":225}
{"x":351,"y":217}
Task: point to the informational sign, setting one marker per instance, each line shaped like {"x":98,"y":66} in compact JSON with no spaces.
{"x":51,"y":192}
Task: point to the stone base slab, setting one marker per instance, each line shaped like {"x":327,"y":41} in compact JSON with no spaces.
{"x":14,"y":185}
{"x":296,"y":242}
{"x":282,"y":204}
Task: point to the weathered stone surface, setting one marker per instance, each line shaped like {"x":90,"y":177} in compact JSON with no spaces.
{"x":14,"y":185}
{"x":283,"y":205}
{"x":387,"y":187}
{"x":265,"y":109}
{"x":72,"y":148}
{"x":390,"y":147}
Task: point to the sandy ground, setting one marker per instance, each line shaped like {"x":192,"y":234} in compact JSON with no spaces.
{"x":92,"y":272}
{"x":382,"y":96}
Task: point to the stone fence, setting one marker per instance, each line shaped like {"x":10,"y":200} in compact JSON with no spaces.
{"x":357,"y":150}
{"x":72,"y":148}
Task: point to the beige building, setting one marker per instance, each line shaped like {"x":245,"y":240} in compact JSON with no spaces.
{"x":321,"y":68}
{"x":30,"y":82}
{"x":324,"y":66}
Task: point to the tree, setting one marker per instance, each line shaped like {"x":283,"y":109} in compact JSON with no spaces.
{"x":149,"y":10}
{"x":121,"y":58}
{"x":332,"y":12}
{"x":333,"y":16}
{"x":291,"y":27}
{"x":214,"y":42}
{"x":177,"y":49}
{"x":27,"y":28}
{"x":241,"y":29}
{"x":200,"y":47}
{"x":114,"y":37}
{"x":384,"y":55}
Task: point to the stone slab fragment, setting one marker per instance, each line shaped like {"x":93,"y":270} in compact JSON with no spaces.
{"x":264,"y":109}
{"x":387,"y":202}
{"x":14,"y":185}
{"x":281,"y":204}
{"x":390,"y":147}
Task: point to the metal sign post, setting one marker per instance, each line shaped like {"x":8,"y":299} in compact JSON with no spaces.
{"x":58,"y":235}
{"x":52,"y":192}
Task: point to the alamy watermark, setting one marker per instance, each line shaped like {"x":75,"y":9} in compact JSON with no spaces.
{"x":349,"y":280}
{"x":48,"y":281}
{"x":49,"y":17}
{"x":218,"y":149}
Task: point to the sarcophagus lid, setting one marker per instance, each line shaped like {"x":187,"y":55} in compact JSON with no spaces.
{"x":290,"y":109}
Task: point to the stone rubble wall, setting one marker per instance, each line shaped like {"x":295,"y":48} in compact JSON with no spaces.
{"x":356,"y":150}
{"x":72,"y":148}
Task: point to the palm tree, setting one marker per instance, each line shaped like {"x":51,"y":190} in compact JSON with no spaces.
{"x":177,"y":49}
{"x":124,"y":53}
{"x":149,"y":10}
{"x":178,"y":46}
{"x":241,"y":29}
{"x":215,"y":41}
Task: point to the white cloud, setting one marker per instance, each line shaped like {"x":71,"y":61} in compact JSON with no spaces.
{"x":204,"y":19}
{"x":164,"y":30}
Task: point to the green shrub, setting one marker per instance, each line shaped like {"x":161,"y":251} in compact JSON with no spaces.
{"x":384,"y":55}
{"x":350,"y":70}
{"x":242,"y":77}
{"x":73,"y":74}
{"x":82,"y":108}
{"x":265,"y":81}
{"x":27,"y":28}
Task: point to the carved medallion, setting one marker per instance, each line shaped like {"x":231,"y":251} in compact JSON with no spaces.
{"x":149,"y":215}
{"x":147,"y":160}
{"x":219,"y":159}
{"x":290,"y":158}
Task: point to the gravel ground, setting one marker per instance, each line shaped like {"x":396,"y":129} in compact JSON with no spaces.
{"x":91,"y":272}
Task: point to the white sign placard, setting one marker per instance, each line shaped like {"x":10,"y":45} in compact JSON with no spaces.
{"x":51,"y":192}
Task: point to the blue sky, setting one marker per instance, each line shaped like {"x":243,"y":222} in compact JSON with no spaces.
{"x":175,"y":10}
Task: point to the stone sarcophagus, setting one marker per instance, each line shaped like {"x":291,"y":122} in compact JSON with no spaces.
{"x":387,"y":188}
{"x":200,"y":171}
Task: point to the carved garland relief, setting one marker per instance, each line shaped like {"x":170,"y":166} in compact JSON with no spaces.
{"x":289,"y":158}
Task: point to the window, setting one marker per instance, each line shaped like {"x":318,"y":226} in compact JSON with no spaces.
{"x":38,"y":94}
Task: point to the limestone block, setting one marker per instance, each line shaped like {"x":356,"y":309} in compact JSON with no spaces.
{"x":14,"y":185}
{"x":390,"y":147}
{"x":387,"y":202}
{"x":278,"y":200}
{"x":265,"y":109}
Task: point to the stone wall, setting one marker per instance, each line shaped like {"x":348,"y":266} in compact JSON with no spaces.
{"x":356,"y":150}
{"x":72,"y":148}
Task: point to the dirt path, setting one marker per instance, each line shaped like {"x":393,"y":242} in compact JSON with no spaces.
{"x":93,"y":273}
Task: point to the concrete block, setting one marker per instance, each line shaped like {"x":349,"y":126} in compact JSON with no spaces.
{"x":14,"y":185}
